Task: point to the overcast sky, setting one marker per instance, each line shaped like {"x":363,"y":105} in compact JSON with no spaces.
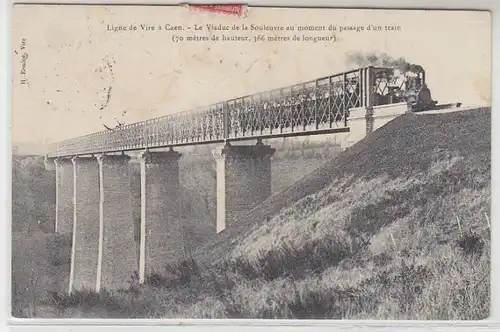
{"x":70,"y":52}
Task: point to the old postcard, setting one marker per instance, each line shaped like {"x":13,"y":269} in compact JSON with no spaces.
{"x":227,"y":161}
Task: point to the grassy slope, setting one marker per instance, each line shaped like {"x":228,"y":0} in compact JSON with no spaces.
{"x":404,"y":146}
{"x":40,"y":263}
{"x":33,"y":195}
{"x":394,"y":228}
{"x":397,"y":227}
{"x":40,"y":260}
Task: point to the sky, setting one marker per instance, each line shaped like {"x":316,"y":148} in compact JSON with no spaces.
{"x":82,"y":76}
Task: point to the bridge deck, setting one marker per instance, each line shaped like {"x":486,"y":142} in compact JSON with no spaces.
{"x":316,"y":107}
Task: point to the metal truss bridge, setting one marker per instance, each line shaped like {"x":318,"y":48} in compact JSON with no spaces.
{"x":319,"y":106}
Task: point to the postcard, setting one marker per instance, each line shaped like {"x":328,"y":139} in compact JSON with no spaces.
{"x":231,"y":161}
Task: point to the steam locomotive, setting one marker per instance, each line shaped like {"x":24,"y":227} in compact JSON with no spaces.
{"x":415,"y":93}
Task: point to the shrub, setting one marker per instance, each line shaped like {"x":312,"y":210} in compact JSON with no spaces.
{"x":83,"y":300}
{"x":470,"y":244}
{"x":183,"y":271}
{"x":289,"y":260}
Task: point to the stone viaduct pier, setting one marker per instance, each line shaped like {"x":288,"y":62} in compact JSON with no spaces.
{"x":93,"y":172}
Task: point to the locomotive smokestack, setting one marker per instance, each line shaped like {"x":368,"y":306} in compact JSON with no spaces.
{"x":417,"y":69}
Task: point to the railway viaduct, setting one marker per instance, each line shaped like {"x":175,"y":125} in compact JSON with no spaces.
{"x":93,"y":192}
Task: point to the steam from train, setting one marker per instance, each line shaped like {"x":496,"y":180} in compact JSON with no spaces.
{"x":384,"y":60}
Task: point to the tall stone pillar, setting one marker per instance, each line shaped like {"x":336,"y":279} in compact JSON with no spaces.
{"x":243,"y":180}
{"x":161,"y":229}
{"x":64,"y":195}
{"x":117,"y":259}
{"x":370,"y":96}
{"x":85,"y":245}
{"x":135,"y":186}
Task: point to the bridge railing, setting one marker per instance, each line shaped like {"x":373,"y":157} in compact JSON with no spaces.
{"x":318,"y":105}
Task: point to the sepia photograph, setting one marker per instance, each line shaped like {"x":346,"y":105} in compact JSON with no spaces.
{"x":244,"y":162}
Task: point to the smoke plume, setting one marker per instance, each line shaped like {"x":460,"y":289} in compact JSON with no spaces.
{"x":382,"y":60}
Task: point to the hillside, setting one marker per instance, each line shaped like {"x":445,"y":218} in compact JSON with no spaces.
{"x":406,"y":146}
{"x":40,"y":263}
{"x":33,"y":195}
{"x":396,"y":227}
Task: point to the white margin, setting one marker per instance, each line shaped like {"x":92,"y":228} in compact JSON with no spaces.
{"x":246,"y":325}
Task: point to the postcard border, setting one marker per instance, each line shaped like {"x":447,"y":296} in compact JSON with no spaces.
{"x":247,"y":324}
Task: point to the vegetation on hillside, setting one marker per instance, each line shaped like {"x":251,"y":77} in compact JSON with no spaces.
{"x":33,"y":195}
{"x":397,"y":227}
{"x":40,"y":260}
{"x":40,"y":264}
